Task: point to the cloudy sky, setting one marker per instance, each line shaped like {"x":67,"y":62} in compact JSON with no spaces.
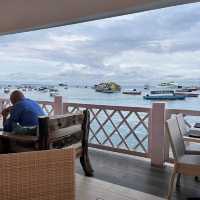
{"x":148,"y":47}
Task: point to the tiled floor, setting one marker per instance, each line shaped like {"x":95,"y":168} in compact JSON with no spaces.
{"x":137,"y":174}
{"x":94,"y":189}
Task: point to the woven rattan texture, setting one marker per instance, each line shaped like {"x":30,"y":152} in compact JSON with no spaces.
{"x":38,"y":175}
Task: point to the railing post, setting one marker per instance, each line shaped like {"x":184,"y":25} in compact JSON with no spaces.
{"x":157,"y":134}
{"x":65,"y":108}
{"x":58,"y":105}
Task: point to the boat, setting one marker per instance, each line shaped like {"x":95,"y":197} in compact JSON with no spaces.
{"x":62,"y":84}
{"x":185,"y":90}
{"x":53,"y":94}
{"x":6,"y":90}
{"x":188,"y":89}
{"x":170,"y":85}
{"x":43,"y":89}
{"x":66,"y":87}
{"x":187,"y":94}
{"x":132,"y":92}
{"x":146,"y":87}
{"x":162,"y":91}
{"x":164,"y":97}
{"x":52,"y":89}
{"x":108,"y":87}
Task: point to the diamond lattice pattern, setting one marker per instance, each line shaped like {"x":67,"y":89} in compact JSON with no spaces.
{"x":118,"y":129}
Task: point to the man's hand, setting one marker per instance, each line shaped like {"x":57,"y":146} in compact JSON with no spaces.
{"x":6,"y":112}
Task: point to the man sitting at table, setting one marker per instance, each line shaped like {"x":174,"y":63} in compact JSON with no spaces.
{"x":24,"y":112}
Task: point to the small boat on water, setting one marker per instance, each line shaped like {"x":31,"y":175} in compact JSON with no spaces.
{"x":53,"y":94}
{"x":146,"y":87}
{"x":165,"y":97}
{"x":43,"y":89}
{"x":6,"y":90}
{"x":132,"y":92}
{"x":62,"y":84}
{"x":53,"y":90}
{"x":187,"y":94}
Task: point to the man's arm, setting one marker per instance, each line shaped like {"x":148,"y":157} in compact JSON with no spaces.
{"x":5,"y":113}
{"x":15,"y":113}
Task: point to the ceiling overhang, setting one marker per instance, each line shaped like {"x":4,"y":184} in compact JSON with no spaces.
{"x":26,"y":15}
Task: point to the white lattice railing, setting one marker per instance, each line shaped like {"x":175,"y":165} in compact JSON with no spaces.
{"x":123,"y":129}
{"x":47,"y":106}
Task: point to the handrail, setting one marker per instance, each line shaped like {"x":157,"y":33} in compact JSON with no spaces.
{"x":183,"y":111}
{"x":109,"y":107}
{"x":46,"y":102}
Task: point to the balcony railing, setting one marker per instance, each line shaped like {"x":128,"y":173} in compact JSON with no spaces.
{"x":117,"y":128}
{"x":130,"y":130}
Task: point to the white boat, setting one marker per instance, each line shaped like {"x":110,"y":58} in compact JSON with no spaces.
{"x":53,"y":94}
{"x":53,"y":89}
{"x":132,"y":92}
{"x":169,"y":85}
{"x":187,"y":94}
{"x":6,"y":90}
{"x":43,"y":89}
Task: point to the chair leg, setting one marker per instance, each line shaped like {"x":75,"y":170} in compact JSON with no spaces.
{"x":84,"y":159}
{"x":85,"y":162}
{"x":171,"y":185}
{"x":178,"y":180}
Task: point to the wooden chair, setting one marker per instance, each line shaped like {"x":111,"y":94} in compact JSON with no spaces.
{"x":190,"y":148}
{"x":63,"y":131}
{"x":190,"y":135}
{"x":185,"y":164}
{"x":192,"y":132}
{"x":38,"y":175}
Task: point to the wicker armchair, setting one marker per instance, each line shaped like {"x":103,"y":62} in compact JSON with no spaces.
{"x":38,"y":175}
